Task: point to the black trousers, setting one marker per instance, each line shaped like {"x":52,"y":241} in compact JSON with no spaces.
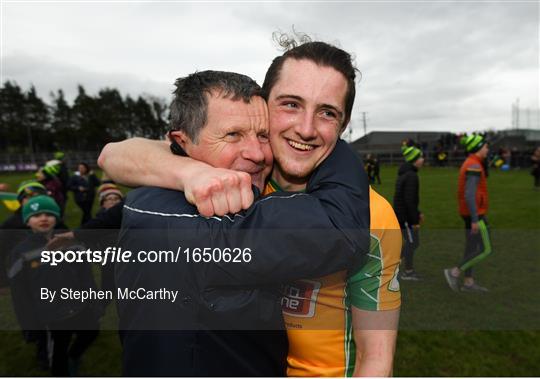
{"x":62,"y":333}
{"x":410,"y":244}
{"x":86,"y":208}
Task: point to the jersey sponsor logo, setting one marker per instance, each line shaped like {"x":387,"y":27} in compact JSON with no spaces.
{"x":300,"y":298}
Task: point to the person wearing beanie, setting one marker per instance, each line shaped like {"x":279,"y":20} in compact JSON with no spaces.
{"x":28,"y":276}
{"x":63,"y":173}
{"x":473,"y":207}
{"x":47,"y":175}
{"x":109,"y":195}
{"x":8,"y":239}
{"x":38,"y":205}
{"x":406,"y":201}
{"x":12,"y":231}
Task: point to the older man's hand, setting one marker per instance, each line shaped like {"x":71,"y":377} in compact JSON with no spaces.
{"x":217,"y":191}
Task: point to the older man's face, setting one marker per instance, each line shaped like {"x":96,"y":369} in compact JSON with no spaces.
{"x":235,"y":137}
{"x":306,"y":109}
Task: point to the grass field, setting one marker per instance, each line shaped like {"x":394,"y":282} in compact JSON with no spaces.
{"x":442,"y":333}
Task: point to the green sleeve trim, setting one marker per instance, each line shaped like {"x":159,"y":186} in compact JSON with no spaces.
{"x":363,"y":286}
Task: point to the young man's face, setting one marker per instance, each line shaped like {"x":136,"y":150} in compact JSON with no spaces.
{"x":235,"y":137}
{"x":42,"y":222}
{"x":306,"y":111}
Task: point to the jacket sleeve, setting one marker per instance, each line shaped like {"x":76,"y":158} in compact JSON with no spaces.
{"x":410,"y":194}
{"x":102,"y":229}
{"x":471,"y":186}
{"x":300,"y":235}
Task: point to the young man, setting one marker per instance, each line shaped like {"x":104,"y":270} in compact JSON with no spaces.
{"x":473,"y":207}
{"x":310,"y":92}
{"x":406,"y":200}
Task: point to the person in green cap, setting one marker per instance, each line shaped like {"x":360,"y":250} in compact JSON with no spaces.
{"x":406,"y":201}
{"x":62,"y":317}
{"x":8,"y":239}
{"x":12,"y":231}
{"x":473,"y":207}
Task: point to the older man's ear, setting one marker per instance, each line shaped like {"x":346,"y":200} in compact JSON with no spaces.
{"x":180,"y":138}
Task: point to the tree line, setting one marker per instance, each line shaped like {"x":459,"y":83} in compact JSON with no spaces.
{"x":28,"y":124}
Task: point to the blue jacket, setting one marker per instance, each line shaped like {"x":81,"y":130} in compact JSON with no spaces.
{"x":228,"y":321}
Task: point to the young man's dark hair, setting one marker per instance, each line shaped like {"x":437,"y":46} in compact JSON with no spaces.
{"x":189,"y":108}
{"x":321,"y":53}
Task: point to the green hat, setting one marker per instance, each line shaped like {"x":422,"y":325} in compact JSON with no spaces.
{"x":52,"y":168}
{"x":59,"y":155}
{"x":40,"y":204}
{"x":411,"y":153}
{"x":30,"y":188}
{"x":473,"y":143}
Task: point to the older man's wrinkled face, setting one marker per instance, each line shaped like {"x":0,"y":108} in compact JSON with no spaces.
{"x":235,"y":137}
{"x":306,"y":109}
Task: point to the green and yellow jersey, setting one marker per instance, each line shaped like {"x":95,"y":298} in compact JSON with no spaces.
{"x":317,"y":311}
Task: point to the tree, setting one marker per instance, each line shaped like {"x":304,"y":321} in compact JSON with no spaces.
{"x":37,"y":123}
{"x":12,"y":130}
{"x":62,"y":125}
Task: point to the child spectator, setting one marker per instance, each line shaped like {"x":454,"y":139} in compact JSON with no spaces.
{"x":63,"y":318}
{"x":109,"y":195}
{"x":12,"y":231}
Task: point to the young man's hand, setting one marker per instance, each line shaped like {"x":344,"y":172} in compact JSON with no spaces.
{"x":474,"y":227}
{"x":217,"y":191}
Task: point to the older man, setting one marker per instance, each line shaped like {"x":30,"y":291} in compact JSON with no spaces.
{"x":310,"y":91}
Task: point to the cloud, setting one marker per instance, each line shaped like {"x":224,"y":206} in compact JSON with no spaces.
{"x":439,"y":65}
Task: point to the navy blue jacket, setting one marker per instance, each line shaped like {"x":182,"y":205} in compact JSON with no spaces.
{"x":90,"y":183}
{"x":228,"y":320}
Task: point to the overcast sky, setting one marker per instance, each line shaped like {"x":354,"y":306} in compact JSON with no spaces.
{"x":425,"y":65}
